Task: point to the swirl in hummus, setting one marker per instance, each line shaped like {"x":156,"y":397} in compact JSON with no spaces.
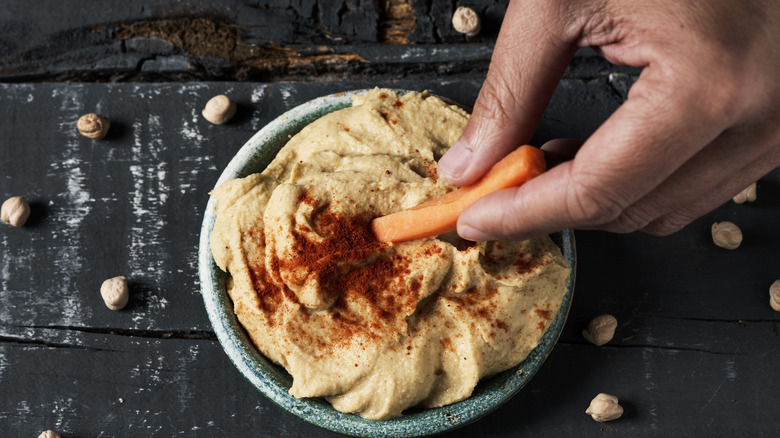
{"x":376,"y":328}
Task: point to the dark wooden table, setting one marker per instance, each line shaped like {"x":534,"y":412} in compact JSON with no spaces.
{"x":695,"y":354}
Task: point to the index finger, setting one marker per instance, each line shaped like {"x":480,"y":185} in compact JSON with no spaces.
{"x":532,"y":51}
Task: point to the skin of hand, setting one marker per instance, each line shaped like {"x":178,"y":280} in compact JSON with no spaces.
{"x":701,"y":123}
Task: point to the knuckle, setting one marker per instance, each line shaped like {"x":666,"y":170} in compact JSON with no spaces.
{"x":718,"y":99}
{"x":513,"y":208}
{"x":496,"y":98}
{"x":631,"y":219}
{"x":667,"y":224}
{"x":590,"y":204}
{"x":589,"y":207}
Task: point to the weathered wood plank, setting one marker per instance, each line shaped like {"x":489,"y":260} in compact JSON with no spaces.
{"x":125,"y":386}
{"x":260,"y":41}
{"x":663,"y":392}
{"x":695,"y":351}
{"x":128,"y":386}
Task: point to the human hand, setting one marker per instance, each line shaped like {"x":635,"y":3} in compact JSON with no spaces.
{"x":701,"y":123}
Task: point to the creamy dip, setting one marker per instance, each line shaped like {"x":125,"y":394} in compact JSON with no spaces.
{"x":376,"y":328}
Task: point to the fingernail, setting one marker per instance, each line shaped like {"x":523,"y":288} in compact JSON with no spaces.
{"x":470,"y":233}
{"x":454,"y":162}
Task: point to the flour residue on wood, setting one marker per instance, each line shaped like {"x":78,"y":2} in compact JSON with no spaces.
{"x":258,"y":93}
{"x":5,"y":277}
{"x":3,"y":363}
{"x":148,"y":250}
{"x":71,"y":207}
{"x":185,"y":391}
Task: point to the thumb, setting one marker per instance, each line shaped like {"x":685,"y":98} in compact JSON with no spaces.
{"x":529,"y":58}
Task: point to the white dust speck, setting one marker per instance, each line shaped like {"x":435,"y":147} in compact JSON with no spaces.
{"x":24,"y":408}
{"x":186,"y":393}
{"x":257,"y":95}
{"x":650,"y":386}
{"x":77,"y":194}
{"x":286,"y":93}
{"x":3,"y":364}
{"x":731,"y":370}
{"x":5,"y":265}
{"x":191,"y":133}
{"x":615,"y":76}
{"x":64,"y":411}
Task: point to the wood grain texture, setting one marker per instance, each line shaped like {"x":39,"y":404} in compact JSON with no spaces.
{"x":170,"y":40}
{"x":695,"y":353}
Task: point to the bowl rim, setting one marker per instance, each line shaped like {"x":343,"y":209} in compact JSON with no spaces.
{"x":490,"y":393}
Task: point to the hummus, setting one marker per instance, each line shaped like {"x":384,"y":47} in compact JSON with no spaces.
{"x":376,"y":328}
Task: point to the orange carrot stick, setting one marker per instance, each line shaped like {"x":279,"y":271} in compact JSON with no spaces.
{"x":440,"y":215}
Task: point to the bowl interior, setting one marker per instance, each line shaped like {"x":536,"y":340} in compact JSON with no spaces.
{"x":274,"y":382}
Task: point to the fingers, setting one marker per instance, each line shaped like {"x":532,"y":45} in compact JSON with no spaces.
{"x":655,"y":164}
{"x":556,"y":152}
{"x":644,"y":142}
{"x":529,"y":58}
{"x":684,"y":213}
{"x":727,"y":165}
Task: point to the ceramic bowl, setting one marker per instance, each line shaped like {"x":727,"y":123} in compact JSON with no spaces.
{"x":274,"y":382}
